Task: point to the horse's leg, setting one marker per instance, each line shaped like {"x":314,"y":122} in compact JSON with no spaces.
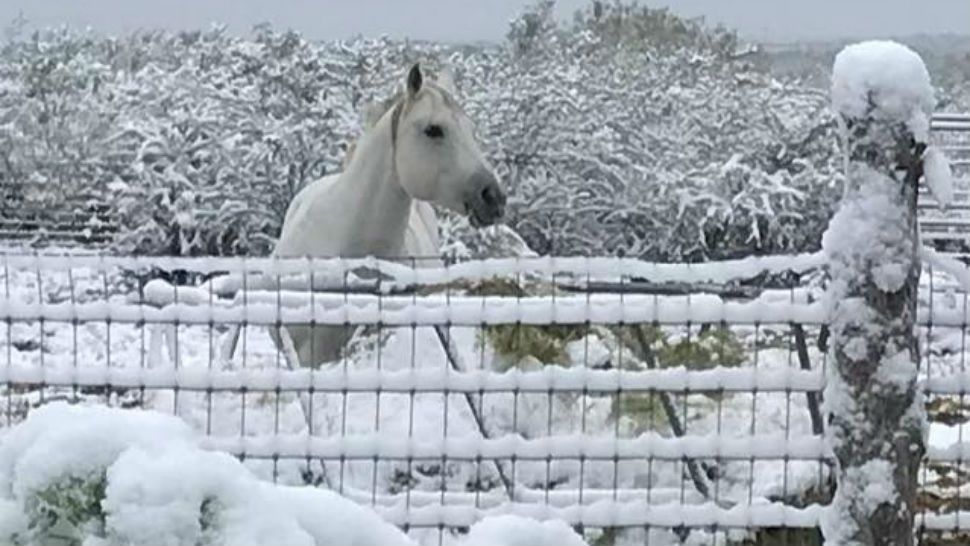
{"x":231,"y":341}
{"x":285,"y":344}
{"x":315,"y":345}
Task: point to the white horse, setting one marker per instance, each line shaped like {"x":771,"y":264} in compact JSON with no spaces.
{"x":418,"y":149}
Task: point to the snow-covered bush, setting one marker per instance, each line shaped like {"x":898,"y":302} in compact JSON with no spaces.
{"x":628,"y":130}
{"x":101,"y":476}
{"x":667,"y":148}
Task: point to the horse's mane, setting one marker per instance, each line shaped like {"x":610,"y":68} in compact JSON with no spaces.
{"x":373,"y":112}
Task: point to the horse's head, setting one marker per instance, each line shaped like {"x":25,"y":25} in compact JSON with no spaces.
{"x":436,"y":154}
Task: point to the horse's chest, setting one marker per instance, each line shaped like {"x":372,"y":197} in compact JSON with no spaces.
{"x":332,"y":231}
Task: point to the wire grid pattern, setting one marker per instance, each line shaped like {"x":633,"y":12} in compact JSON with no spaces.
{"x":652,"y":413}
{"x":944,"y":474}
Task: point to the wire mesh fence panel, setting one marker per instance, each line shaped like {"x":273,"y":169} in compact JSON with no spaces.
{"x":551,"y":388}
{"x":557,"y":388}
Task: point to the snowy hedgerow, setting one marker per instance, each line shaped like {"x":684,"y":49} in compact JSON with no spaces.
{"x":628,"y":130}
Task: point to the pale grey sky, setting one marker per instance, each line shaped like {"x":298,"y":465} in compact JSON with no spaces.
{"x":469,"y":20}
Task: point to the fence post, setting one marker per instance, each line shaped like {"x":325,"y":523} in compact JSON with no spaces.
{"x":877,"y":421}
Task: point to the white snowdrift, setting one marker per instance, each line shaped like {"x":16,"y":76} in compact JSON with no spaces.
{"x":133,"y":477}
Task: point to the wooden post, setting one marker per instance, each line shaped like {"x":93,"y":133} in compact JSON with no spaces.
{"x":876,"y":416}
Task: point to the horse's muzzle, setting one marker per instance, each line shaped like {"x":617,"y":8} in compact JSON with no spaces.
{"x":485,"y":205}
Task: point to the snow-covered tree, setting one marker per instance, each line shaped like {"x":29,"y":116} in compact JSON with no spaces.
{"x":627,"y":130}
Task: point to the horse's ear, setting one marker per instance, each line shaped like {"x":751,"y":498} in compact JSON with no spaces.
{"x":446,"y":81}
{"x":415,"y":80}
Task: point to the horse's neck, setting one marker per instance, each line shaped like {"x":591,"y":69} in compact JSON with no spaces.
{"x":379,"y":205}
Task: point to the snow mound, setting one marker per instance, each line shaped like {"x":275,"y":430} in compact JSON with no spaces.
{"x":518,"y":531}
{"x":884,"y":79}
{"x":106,"y":477}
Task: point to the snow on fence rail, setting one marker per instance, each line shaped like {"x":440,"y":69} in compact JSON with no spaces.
{"x":551,"y":378}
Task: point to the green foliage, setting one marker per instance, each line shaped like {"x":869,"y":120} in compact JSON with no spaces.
{"x":607,"y":537}
{"x":67,"y":509}
{"x":644,"y":411}
{"x":712,"y":347}
{"x":517,"y":342}
{"x":496,"y":286}
{"x":209,"y":514}
{"x":547,"y":344}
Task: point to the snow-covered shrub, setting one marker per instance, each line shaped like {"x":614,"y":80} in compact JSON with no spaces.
{"x":102,"y":476}
{"x":628,"y":130}
{"x":667,"y":149}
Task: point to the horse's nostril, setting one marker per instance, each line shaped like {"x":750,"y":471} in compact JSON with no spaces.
{"x":488,"y":197}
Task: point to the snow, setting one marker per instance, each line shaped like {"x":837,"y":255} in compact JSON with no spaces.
{"x":867,"y":232}
{"x":937,"y":175}
{"x":955,"y":270}
{"x":574,"y":446}
{"x":868,"y":486}
{"x":884,"y":79}
{"x":875,"y":478}
{"x":518,"y":531}
{"x":606,"y":513}
{"x":896,"y":371}
{"x":548,"y":378}
{"x":54,"y":444}
{"x":340,"y":272}
{"x":157,"y":481}
{"x":272,"y":308}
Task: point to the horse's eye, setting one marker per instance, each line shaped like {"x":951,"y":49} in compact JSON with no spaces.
{"x":434,"y":131}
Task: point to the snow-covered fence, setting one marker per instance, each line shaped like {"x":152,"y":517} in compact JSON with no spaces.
{"x":635,"y":412}
{"x":627,"y":398}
